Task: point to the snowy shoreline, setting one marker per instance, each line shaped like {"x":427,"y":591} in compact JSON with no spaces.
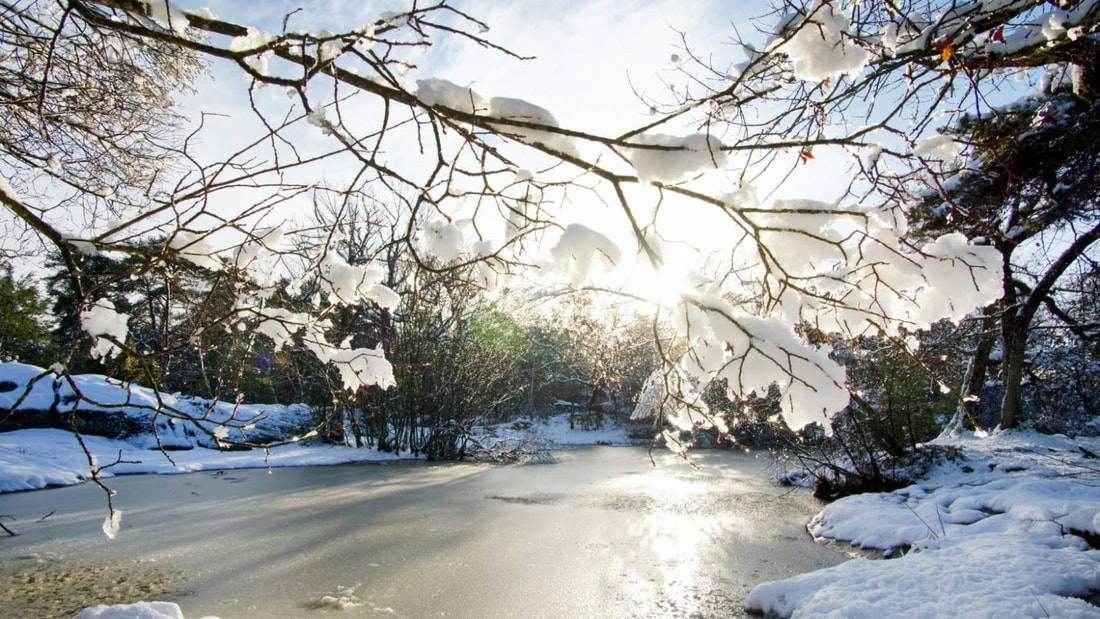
{"x":198,"y":434}
{"x":995,"y":533}
{"x":36,"y":459}
{"x":47,"y":458}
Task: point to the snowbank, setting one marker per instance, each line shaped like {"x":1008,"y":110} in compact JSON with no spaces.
{"x":34,"y":459}
{"x":995,"y":535}
{"x":554,"y":431}
{"x":39,"y":458}
{"x":42,"y":456}
{"x":129,"y":409}
{"x":140,"y":610}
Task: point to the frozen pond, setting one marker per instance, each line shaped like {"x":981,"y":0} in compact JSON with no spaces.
{"x":601,"y":533}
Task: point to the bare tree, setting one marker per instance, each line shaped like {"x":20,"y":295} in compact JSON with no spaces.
{"x":900,"y":87}
{"x":877,"y":78}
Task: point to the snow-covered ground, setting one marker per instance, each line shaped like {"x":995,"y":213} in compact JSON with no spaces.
{"x":27,"y":389}
{"x":37,"y":458}
{"x":991,"y":535}
{"x":555,"y":431}
{"x":140,"y":610}
{"x":996,"y":533}
{"x":33,"y":459}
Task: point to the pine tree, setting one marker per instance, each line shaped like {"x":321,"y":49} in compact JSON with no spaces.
{"x":1033,"y":193}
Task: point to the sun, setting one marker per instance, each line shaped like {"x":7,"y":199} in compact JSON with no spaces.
{"x":663,"y":286}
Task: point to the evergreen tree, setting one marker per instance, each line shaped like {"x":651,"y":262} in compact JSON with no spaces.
{"x":1033,"y":193}
{"x":24,"y":331}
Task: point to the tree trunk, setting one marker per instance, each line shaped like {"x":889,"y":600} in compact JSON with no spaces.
{"x":976,"y":370}
{"x":1014,"y":346}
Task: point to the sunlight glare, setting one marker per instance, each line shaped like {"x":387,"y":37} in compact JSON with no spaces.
{"x":668,"y":284}
{"x":663,"y":286}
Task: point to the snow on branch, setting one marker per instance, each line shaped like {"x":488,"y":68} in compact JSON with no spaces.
{"x":822,"y":45}
{"x":346,"y":284}
{"x":436,"y":91}
{"x":581,"y":250}
{"x":674,"y":158}
{"x":834,"y":78}
{"x":754,"y":353}
{"x":106,"y":326}
{"x":533,"y":124}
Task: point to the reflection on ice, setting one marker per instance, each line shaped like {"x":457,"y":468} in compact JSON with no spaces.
{"x":600,"y":534}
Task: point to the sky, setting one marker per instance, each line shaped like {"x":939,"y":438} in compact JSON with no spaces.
{"x":589,"y":61}
{"x":586,"y":54}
